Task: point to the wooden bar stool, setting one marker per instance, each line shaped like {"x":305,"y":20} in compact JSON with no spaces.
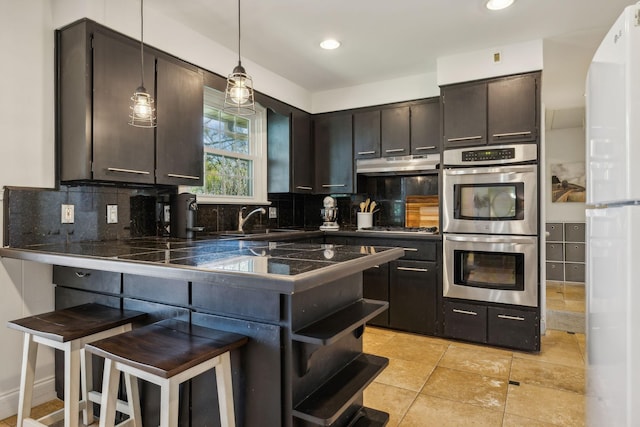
{"x":67,"y":330}
{"x":167,"y":354}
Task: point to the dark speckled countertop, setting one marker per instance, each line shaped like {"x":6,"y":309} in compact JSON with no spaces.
{"x":284,"y":267}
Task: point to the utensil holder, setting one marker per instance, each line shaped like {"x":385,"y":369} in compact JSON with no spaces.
{"x":365,"y":219}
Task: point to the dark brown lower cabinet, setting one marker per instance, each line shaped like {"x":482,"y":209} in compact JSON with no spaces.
{"x":375,"y":285}
{"x":414,"y":294}
{"x":517,"y":328}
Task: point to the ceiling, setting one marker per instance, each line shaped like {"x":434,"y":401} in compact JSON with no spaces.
{"x":383,"y":39}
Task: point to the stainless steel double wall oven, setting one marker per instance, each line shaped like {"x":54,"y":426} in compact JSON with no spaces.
{"x":490,"y":224}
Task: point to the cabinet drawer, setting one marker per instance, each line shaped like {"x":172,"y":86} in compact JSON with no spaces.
{"x":555,"y":271}
{"x":556,"y":232}
{"x":513,"y":328}
{"x":465,"y":321}
{"x":574,"y":252}
{"x":574,"y":272}
{"x":156,"y":289}
{"x":555,"y":252}
{"x":413,"y":249}
{"x":91,"y":280}
{"x":574,"y":232}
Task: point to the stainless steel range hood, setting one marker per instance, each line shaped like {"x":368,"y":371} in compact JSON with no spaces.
{"x":405,"y":165}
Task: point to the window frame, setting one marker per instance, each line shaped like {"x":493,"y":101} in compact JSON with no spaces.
{"x":257,"y":149}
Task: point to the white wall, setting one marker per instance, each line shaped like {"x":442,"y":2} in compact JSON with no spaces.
{"x":26,"y":159}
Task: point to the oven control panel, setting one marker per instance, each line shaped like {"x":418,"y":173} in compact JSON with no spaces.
{"x":490,"y":154}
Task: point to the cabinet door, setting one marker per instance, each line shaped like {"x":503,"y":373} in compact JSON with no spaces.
{"x":413,"y":296}
{"x":514,"y":328}
{"x":395,"y":130}
{"x":334,"y":154}
{"x":375,"y":285}
{"x":425,"y":128}
{"x":513,"y":110}
{"x":465,"y":321}
{"x":464,"y":115}
{"x":302,"y":146}
{"x":278,"y":152}
{"x":366,"y":134}
{"x":179,"y":147}
{"x":121,"y":152}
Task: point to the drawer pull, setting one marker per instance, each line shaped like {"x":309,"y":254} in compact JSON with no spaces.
{"x":466,"y":138}
{"x":81,"y":274}
{"x":502,"y":135}
{"x":470,"y":313}
{"x":504,"y":316}
{"x":333,"y":185}
{"x":137,"y":172}
{"x":177,"y":175}
{"x":410,"y":249}
{"x":366,"y":152}
{"x":303,"y":187}
{"x":431,"y":147}
{"x":394,"y":150}
{"x":422,"y":270}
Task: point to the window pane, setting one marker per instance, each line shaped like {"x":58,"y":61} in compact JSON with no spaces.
{"x":227,"y":176}
{"x":223,"y":131}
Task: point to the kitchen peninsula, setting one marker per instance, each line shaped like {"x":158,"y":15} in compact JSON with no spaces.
{"x":300,"y":304}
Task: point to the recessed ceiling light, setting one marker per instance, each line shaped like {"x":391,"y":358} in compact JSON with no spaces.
{"x":499,"y":4}
{"x":330,"y":44}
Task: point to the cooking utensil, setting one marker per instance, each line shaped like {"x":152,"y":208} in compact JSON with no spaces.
{"x":372,"y":206}
{"x":366,"y":204}
{"x":362,"y":205}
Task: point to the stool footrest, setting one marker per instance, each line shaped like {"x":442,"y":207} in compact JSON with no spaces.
{"x":121,"y":405}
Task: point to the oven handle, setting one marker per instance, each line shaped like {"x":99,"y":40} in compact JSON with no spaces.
{"x":492,"y":171}
{"x":492,"y":239}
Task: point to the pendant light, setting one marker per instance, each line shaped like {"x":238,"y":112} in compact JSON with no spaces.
{"x":143,"y":113}
{"x":238,"y":97}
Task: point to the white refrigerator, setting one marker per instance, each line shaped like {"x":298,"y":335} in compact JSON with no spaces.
{"x":613,"y":226}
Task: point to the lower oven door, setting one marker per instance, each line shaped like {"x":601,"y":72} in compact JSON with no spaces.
{"x":502,"y":269}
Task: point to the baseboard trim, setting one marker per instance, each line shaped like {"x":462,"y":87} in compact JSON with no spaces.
{"x":43,"y":391}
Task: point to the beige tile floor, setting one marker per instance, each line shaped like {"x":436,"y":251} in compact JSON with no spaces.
{"x":564,"y":296}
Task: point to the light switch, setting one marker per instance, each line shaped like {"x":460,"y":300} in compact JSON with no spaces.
{"x":273,"y":213}
{"x":112,"y":214}
{"x":67,"y":214}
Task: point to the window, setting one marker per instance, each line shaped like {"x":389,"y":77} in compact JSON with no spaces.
{"x":235,"y":154}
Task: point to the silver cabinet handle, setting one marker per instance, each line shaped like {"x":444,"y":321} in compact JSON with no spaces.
{"x":504,"y":316}
{"x":431,"y":147}
{"x":81,"y":274}
{"x":366,"y":152}
{"x":466,"y":138}
{"x":394,"y":150}
{"x":333,"y":185}
{"x":410,"y":249}
{"x":303,"y":187}
{"x":177,"y":175}
{"x":502,"y":135}
{"x":470,"y":313}
{"x":421,"y":270}
{"x":128,"y":171}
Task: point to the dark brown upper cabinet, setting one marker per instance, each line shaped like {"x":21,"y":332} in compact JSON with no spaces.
{"x":98,"y":71}
{"x":303,"y":173}
{"x":495,"y":111}
{"x":395,"y":132}
{"x":333,"y":139}
{"x":425,"y":127}
{"x":366,"y":134}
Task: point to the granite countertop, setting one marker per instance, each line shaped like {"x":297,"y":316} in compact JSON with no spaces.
{"x":285,"y":267}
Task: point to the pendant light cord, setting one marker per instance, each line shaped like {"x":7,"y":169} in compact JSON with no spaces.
{"x":141,"y":43}
{"x":239,"y":61}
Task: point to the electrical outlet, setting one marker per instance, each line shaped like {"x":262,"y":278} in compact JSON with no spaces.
{"x":273,"y":213}
{"x":66,"y":214}
{"x":112,"y":214}
{"x":167,"y":213}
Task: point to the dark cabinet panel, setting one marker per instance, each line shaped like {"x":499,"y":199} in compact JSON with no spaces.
{"x":334,"y":154}
{"x":366,"y":134}
{"x":179,"y":146}
{"x":513,"y":107}
{"x":86,"y":279}
{"x":425,"y":127}
{"x":413,"y":296}
{"x":464,"y":114}
{"x":303,"y":169}
{"x":465,"y":321}
{"x":513,"y":328}
{"x":395,"y":131}
{"x":120,"y":151}
{"x":375,"y":286}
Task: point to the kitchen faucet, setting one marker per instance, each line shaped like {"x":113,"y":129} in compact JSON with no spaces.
{"x":242,"y":220}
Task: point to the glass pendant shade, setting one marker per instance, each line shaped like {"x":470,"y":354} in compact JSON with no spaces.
{"x":238,"y":98}
{"x":143,"y":113}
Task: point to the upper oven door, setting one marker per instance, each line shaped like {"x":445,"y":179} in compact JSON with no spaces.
{"x":492,"y":200}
